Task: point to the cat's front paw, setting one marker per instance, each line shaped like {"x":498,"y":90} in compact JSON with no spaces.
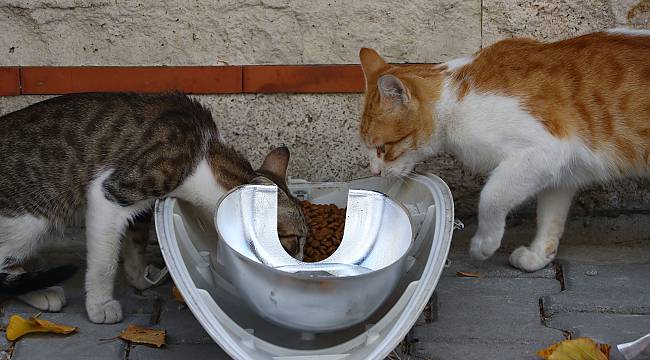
{"x":108,"y":312}
{"x":482,"y":247}
{"x":525,"y":259}
{"x":49,"y":299}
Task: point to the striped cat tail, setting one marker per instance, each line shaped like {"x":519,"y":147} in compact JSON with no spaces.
{"x":20,"y":283}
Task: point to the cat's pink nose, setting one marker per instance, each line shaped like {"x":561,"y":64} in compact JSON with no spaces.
{"x":376,"y":172}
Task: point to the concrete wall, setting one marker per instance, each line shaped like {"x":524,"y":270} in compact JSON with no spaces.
{"x":319,"y":129}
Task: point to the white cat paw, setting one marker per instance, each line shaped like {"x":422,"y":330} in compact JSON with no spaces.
{"x":525,"y":259}
{"x":49,"y":299}
{"x":109,"y":312}
{"x":482,"y":248}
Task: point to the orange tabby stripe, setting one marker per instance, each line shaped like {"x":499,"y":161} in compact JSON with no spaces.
{"x":595,"y":86}
{"x":391,"y":129}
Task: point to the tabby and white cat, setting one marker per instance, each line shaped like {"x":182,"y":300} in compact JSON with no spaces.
{"x":543,"y":119}
{"x":112,"y":155}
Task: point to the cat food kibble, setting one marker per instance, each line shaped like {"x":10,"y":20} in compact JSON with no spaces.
{"x":326,"y":224}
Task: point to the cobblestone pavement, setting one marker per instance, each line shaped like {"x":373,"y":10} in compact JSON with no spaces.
{"x":599,"y":287}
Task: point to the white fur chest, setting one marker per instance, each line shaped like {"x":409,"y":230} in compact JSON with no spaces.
{"x":201,"y":188}
{"x":481,"y":130}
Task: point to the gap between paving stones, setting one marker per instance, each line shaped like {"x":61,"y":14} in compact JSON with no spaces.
{"x":603,"y":301}
{"x":544,"y":318}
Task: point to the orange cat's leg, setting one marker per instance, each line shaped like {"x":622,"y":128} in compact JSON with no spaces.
{"x":552,"y":210}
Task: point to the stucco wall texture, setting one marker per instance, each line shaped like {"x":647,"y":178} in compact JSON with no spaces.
{"x":320,"y":129}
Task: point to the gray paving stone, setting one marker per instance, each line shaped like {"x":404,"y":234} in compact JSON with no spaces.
{"x":611,"y":254}
{"x":144,"y":304}
{"x":4,"y":344}
{"x":132,"y":301}
{"x":27,"y":351}
{"x":492,"y":317}
{"x":183,"y":328}
{"x":86,"y":343}
{"x":470,"y":351}
{"x":604,"y":328}
{"x":488,"y":311}
{"x":496,"y":267}
{"x":617,"y":288}
{"x":598,"y":239}
{"x":181,"y":325}
{"x":173,"y":352}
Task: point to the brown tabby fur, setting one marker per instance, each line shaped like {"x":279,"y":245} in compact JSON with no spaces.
{"x":114,"y":154}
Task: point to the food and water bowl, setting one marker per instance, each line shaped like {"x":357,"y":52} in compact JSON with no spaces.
{"x":258,"y":302}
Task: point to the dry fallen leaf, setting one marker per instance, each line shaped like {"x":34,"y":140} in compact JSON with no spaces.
{"x":546,"y":353}
{"x":577,"y":349}
{"x":177,"y":295}
{"x":467,"y":274}
{"x":605,"y":348}
{"x":18,"y":327}
{"x":141,"y":335}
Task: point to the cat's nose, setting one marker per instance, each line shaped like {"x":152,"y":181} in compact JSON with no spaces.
{"x":376,"y":172}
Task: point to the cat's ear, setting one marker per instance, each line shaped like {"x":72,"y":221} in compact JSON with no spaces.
{"x":276,"y":162}
{"x":371,"y":62}
{"x":393,"y":91}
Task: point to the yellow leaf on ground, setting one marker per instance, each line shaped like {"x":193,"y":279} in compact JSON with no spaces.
{"x":467,"y":274}
{"x":177,"y":295}
{"x":546,"y":353}
{"x":605,"y":348}
{"x":18,"y":327}
{"x":577,"y":349}
{"x":141,"y":335}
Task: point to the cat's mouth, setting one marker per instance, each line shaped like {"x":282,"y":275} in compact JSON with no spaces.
{"x":401,"y":170}
{"x":398,"y":167}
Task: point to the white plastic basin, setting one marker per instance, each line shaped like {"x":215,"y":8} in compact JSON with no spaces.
{"x":189,"y":247}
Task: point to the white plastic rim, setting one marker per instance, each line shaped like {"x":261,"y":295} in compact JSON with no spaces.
{"x":378,"y":340}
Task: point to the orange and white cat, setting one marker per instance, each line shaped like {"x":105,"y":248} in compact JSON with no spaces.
{"x":543,"y":119}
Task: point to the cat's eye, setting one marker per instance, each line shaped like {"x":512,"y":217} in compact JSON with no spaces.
{"x":381,"y":149}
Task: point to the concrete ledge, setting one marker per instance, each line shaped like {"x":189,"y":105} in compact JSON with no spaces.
{"x":189,"y":79}
{"x":303,"y":79}
{"x":205,"y":80}
{"x":9,"y":81}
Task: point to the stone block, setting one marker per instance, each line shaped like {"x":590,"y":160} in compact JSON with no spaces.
{"x":205,"y":32}
{"x":486,"y":311}
{"x":547,"y":20}
{"x":604,"y":328}
{"x":172,"y":352}
{"x":612,"y":289}
{"x":91,"y":341}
